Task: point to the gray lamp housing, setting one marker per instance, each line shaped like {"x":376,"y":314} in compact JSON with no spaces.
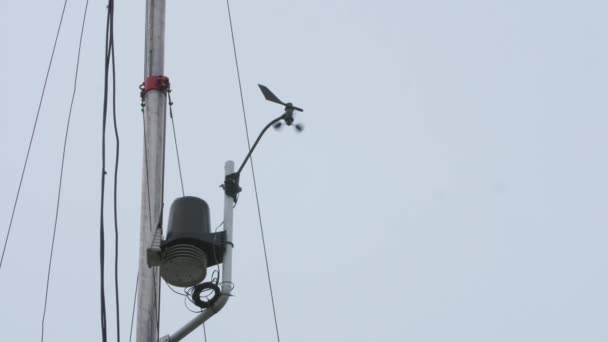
{"x":190,"y":247}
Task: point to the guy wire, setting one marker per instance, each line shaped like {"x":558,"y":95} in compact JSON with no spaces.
{"x":255,"y":187}
{"x":63,"y":154}
{"x":29,"y":147}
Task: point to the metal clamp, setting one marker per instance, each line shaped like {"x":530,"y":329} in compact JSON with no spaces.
{"x":154,"y":83}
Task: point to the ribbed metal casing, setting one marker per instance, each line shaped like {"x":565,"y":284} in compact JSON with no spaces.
{"x":183,"y":265}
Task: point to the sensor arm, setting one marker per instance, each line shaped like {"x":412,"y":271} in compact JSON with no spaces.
{"x":231,"y":181}
{"x":226,"y":285}
{"x":255,"y":144}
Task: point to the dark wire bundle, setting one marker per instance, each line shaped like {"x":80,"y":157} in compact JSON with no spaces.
{"x":202,"y":295}
{"x":109,"y":64}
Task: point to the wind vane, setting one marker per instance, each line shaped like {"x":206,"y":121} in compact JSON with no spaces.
{"x":231,"y":182}
{"x":289,"y":109}
{"x":190,"y":247}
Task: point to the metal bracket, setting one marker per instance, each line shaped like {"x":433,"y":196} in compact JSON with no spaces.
{"x":154,"y":83}
{"x":231,"y":185}
{"x":154,"y":252}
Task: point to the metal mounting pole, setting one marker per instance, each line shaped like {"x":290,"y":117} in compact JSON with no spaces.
{"x":153,"y":173}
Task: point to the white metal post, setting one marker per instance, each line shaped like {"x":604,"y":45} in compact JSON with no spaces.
{"x":153,"y":172}
{"x":229,"y":228}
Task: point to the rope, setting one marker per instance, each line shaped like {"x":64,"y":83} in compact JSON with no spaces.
{"x":65,"y":142}
{"x":255,"y":187}
{"x":29,"y":147}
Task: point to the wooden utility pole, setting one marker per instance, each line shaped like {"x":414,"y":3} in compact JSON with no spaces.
{"x":155,"y":100}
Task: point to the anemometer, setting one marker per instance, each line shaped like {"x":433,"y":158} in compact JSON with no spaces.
{"x":190,"y":247}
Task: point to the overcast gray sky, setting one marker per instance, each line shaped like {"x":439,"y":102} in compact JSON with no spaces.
{"x":450,"y":185}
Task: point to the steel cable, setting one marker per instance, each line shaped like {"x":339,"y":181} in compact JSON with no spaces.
{"x":63,"y":154}
{"x":133,"y":308}
{"x":179,"y":164}
{"x":255,"y":187}
{"x":29,"y":147}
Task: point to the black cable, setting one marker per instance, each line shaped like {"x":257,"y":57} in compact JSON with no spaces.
{"x":203,"y":289}
{"x":65,"y":143}
{"x":179,"y":164}
{"x":255,"y":187}
{"x":29,"y":147}
{"x":193,"y":311}
{"x":108,"y":56}
{"x":116,"y":166}
{"x":116,"y":163}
